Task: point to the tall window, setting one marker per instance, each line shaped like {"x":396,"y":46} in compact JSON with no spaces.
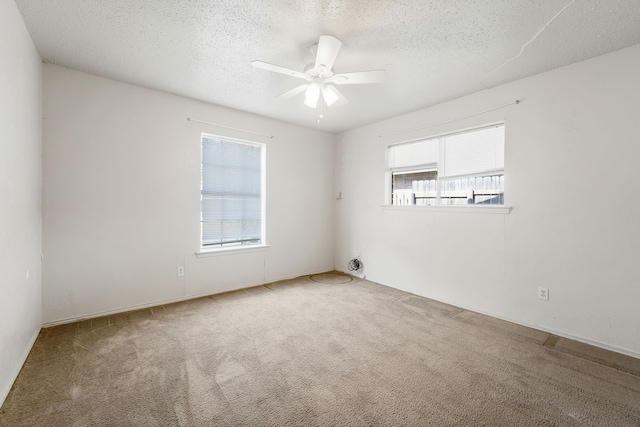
{"x":232,"y":201}
{"x":454,"y":169}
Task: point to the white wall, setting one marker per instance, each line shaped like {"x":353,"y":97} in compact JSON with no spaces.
{"x":121,"y":198}
{"x":20,"y":189}
{"x":571,"y":176}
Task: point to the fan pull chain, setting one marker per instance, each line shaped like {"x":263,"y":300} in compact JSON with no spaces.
{"x":320,"y":116}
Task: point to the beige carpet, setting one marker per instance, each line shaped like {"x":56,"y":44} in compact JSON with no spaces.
{"x":319,"y":352}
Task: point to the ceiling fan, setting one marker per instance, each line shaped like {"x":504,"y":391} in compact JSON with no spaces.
{"x":320,"y":76}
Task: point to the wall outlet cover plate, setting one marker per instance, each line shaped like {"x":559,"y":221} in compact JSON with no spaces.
{"x":543,"y":294}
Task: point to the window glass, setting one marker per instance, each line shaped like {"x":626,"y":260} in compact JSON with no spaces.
{"x":455,"y":169}
{"x":414,"y":188}
{"x":231,"y":192}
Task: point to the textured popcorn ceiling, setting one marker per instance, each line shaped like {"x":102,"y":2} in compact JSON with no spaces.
{"x":433,"y":50}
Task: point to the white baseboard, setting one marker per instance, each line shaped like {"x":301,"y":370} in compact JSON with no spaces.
{"x":528,"y":325}
{"x":549,"y":330}
{"x":562,"y":334}
{"x":6,"y":388}
{"x":168,"y":301}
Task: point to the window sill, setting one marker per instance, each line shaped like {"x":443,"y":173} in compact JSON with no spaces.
{"x":207,"y":252}
{"x":452,"y":209}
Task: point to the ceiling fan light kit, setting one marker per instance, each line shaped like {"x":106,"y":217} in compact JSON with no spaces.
{"x":312,"y":94}
{"x":330,"y":95}
{"x":320,"y":76}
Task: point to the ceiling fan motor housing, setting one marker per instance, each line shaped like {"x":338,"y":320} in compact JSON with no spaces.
{"x":320,"y":73}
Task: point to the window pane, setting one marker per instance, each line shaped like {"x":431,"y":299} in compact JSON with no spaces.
{"x":417,"y":188}
{"x":413,"y":154}
{"x":482,"y":190}
{"x":454,"y":169}
{"x":231,"y":192}
{"x":473,"y":152}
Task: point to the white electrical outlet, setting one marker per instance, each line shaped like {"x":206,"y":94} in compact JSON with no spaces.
{"x":543,"y":294}
{"x":180,"y":271}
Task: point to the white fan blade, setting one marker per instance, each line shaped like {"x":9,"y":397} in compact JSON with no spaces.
{"x":293,"y":92}
{"x":360,"y":77}
{"x":278,"y":69}
{"x":328,"y":48}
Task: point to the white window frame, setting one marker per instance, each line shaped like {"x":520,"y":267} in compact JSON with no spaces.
{"x":211,"y":249}
{"x":418,"y":167}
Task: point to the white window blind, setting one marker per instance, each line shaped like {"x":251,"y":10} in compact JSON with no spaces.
{"x":419,"y":153}
{"x":232,"y":208}
{"x":477,"y":151}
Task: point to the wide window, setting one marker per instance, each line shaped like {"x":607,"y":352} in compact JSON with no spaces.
{"x":454,"y":169}
{"x":232,"y":201}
